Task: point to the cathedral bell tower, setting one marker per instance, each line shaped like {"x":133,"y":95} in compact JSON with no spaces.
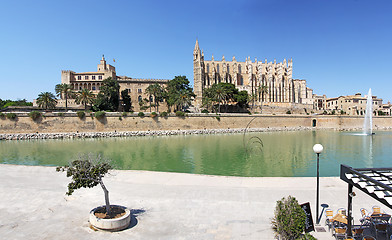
{"x":198,"y":75}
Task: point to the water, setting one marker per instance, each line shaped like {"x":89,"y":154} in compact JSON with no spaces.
{"x":283,"y":154}
{"x":368,"y":123}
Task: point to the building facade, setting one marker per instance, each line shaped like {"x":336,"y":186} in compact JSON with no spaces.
{"x":352,"y":104}
{"x":92,"y":81}
{"x":282,"y":89}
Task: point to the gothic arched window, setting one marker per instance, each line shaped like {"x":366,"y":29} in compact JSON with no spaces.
{"x":140,"y":98}
{"x":208,"y":68}
{"x":239,"y":69}
{"x":217,"y":68}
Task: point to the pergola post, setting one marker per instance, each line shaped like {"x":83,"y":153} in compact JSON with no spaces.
{"x":349,"y":233}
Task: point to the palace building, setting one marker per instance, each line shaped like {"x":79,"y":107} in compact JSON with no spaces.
{"x":276,"y":78}
{"x":93,"y":80}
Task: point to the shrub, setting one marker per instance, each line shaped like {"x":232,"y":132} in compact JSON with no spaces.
{"x":35,"y":115}
{"x":218,"y":118}
{"x":144,"y":108}
{"x":141,"y":114}
{"x":333,"y":112}
{"x":153,"y":114}
{"x":124,"y":114}
{"x":205,"y":111}
{"x":164,"y":114}
{"x":81,"y":114}
{"x":289,"y":219}
{"x":381,"y":113}
{"x":180,"y":114}
{"x":307,"y":236}
{"x":2,"y":115}
{"x":11,"y":116}
{"x":100,"y":115}
{"x":60,"y":114}
{"x":288,"y":112}
{"x":120,"y":118}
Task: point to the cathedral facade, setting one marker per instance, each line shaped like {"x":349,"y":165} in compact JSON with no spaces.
{"x":270,"y":83}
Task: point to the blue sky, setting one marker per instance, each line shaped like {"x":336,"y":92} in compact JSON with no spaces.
{"x":340,"y":47}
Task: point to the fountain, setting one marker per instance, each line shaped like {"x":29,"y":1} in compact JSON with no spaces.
{"x":367,"y":125}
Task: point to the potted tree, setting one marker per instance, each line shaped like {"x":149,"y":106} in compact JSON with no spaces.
{"x":87,"y":171}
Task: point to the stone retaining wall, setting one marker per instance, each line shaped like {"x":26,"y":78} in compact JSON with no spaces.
{"x":114,"y":123}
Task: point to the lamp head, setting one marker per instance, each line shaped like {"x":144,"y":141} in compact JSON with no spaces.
{"x":318,"y":148}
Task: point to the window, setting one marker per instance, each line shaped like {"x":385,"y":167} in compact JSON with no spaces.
{"x":208,"y":68}
{"x":217,"y":68}
{"x":239,"y":69}
{"x":100,"y":77}
{"x":139,"y":98}
{"x":79,"y":77}
{"x":139,"y":90}
{"x":228,"y":68}
{"x":93,"y":88}
{"x":85,"y":77}
{"x":93,"y":77}
{"x":129,"y":90}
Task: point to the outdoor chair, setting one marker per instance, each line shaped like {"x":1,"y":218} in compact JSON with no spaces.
{"x":339,"y":232}
{"x":365,"y":220}
{"x":357,"y":232}
{"x":381,"y":228}
{"x":376,"y":209}
{"x":328,"y":217}
{"x":368,"y":238}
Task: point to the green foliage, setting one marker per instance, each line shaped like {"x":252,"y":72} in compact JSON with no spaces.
{"x":46,"y":100}
{"x":333,"y":112}
{"x":381,"y":113}
{"x":325,"y":112}
{"x":154,"y":114}
{"x":204,"y":111}
{"x":242,"y":98}
{"x":11,"y":116}
{"x":164,"y":114}
{"x":180,"y":114}
{"x":158,"y":92}
{"x":342,"y":112}
{"x":126,"y":100}
{"x":124,"y":114}
{"x":108,"y":96}
{"x":2,"y":115}
{"x":218,"y":118}
{"x":87,"y":171}
{"x":84,"y":97}
{"x":64,"y":91}
{"x":120,"y":118}
{"x":141,"y":114}
{"x":307,"y":236}
{"x":288,"y":112}
{"x":143,"y":108}
{"x":60,"y":114}
{"x":81,"y":114}
{"x":179,"y":93}
{"x":289,"y":219}
{"x":100,"y":115}
{"x":35,"y":115}
{"x":8,"y":103}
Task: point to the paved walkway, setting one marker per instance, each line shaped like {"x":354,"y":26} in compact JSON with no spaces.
{"x":33,"y":204}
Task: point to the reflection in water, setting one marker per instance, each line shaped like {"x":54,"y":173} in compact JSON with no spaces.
{"x":282,"y":153}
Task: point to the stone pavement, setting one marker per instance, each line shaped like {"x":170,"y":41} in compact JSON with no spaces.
{"x":33,"y":204}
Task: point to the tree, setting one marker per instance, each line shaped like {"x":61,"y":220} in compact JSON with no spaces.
{"x":87,"y":171}
{"x":108,"y":96}
{"x":84,"y":97}
{"x":289,"y":219}
{"x":262,"y":90}
{"x":175,"y":88}
{"x":242,"y":98}
{"x":184,"y":99}
{"x":46,"y":100}
{"x":157,"y":91}
{"x":126,"y":100}
{"x":64,"y":91}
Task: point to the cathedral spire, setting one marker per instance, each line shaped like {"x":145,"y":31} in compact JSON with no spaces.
{"x":197,"y":48}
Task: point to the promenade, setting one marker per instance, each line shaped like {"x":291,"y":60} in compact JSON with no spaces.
{"x":33,"y":204}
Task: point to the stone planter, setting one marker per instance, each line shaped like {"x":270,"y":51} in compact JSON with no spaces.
{"x":115,"y":224}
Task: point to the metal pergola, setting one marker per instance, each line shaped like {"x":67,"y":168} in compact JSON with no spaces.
{"x":375,"y":182}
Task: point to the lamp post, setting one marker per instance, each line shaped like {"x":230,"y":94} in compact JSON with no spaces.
{"x":317,"y":148}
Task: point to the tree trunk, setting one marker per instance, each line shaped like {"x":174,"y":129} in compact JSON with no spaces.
{"x":106,"y":192}
{"x":66,"y":103}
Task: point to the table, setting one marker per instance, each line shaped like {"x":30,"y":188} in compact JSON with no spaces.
{"x":380,"y":217}
{"x":339,"y":218}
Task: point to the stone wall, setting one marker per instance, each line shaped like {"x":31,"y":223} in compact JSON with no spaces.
{"x":69,"y":122}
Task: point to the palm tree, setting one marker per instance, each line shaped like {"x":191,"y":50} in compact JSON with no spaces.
{"x":85,"y":97}
{"x":46,"y":100}
{"x":184,"y":99}
{"x":66,"y":91}
{"x":220,"y":94}
{"x":262,"y":90}
{"x":157,"y":91}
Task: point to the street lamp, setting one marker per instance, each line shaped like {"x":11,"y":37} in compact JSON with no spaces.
{"x":317,"y":148}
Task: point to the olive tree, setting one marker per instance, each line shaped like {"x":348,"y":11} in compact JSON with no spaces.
{"x":87,"y":171}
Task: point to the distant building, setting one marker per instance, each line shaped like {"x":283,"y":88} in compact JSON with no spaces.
{"x":352,"y":104}
{"x":93,"y":81}
{"x":282,"y":90}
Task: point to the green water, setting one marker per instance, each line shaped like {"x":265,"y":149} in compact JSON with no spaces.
{"x":258,"y":154}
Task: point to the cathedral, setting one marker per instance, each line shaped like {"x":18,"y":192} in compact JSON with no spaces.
{"x":271,"y":83}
